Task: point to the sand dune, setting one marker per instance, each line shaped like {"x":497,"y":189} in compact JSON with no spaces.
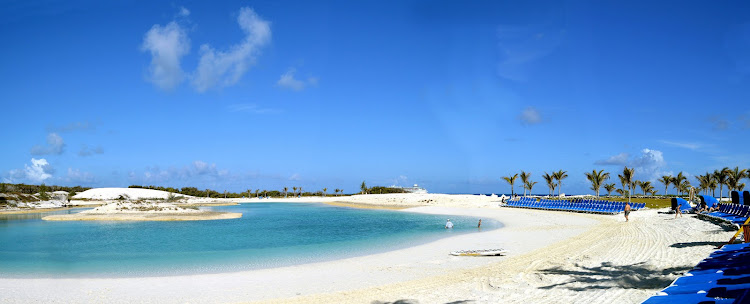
{"x":127,"y":193}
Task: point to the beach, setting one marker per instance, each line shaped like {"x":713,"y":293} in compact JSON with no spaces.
{"x":143,"y":211}
{"x":554,"y":257}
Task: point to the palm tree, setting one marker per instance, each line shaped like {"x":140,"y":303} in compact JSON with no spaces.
{"x":703,"y":181}
{"x":324,"y":191}
{"x":636,"y":184}
{"x":627,"y":176}
{"x":295,"y":191}
{"x":653,"y":192}
{"x":623,"y":184}
{"x":285,"y":190}
{"x":596,"y":179}
{"x":666,"y":180}
{"x":678,"y":181}
{"x":685,"y":186}
{"x":609,"y":187}
{"x":712,"y":183}
{"x":721,"y":178}
{"x":528,"y":185}
{"x":300,"y":191}
{"x":256,"y":192}
{"x":550,"y":182}
{"x":646,"y":187}
{"x":511,"y":180}
{"x":559,"y":176}
{"x":524,"y":180}
{"x":363,"y":187}
{"x":734,"y":176}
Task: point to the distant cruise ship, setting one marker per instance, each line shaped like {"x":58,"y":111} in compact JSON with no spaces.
{"x":415,"y":189}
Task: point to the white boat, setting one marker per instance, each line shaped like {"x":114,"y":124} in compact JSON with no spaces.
{"x":480,"y":252}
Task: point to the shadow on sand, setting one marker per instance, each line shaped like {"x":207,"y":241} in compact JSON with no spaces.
{"x":637,"y":276}
{"x":410,"y":301}
{"x":696,"y":244}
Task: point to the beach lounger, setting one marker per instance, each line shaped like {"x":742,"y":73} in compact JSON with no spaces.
{"x":707,"y":278}
{"x":686,"y":299}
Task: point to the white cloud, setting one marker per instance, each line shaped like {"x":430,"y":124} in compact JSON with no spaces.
{"x":719,"y":123}
{"x":225,"y":68}
{"x":288,"y":81}
{"x":73,"y":126}
{"x":38,"y":172}
{"x":197,"y":170}
{"x":649,"y":165}
{"x":616,"y":160}
{"x":55,"y":145}
{"x":86,"y":151}
{"x":184,"y":12}
{"x":250,"y":108}
{"x":203,"y":168}
{"x":691,"y":146}
{"x":521,"y":47}
{"x":745,"y":120}
{"x":312,"y":81}
{"x":401,"y":180}
{"x":167,"y":45}
{"x":530,"y":116}
{"x":294,"y":177}
{"x":75,"y":176}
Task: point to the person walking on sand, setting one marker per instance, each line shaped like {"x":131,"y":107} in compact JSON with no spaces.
{"x":678,"y":211}
{"x":448,"y":224}
{"x":627,"y":211}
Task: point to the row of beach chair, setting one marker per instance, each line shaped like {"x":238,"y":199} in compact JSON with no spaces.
{"x":578,"y":205}
{"x":734,"y":214}
{"x":723,"y":277}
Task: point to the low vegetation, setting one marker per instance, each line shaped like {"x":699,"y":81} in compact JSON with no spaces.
{"x":33,"y":189}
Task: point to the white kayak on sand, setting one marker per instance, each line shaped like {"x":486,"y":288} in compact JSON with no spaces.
{"x":480,"y":252}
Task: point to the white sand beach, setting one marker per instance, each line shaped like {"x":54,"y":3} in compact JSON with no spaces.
{"x":143,"y":211}
{"x":554,"y":257}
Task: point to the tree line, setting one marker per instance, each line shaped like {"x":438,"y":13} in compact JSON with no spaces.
{"x":193,"y":191}
{"x":42,"y":188}
{"x":731,"y":178}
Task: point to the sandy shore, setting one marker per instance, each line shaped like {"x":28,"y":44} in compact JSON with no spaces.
{"x":143,"y":211}
{"x":554,"y":257}
{"x":203,"y":216}
{"x":39,"y":210}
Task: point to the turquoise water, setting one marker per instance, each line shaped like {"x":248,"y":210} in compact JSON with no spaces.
{"x":268,"y":235}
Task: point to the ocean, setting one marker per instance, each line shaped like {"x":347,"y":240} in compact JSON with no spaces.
{"x":268,"y":235}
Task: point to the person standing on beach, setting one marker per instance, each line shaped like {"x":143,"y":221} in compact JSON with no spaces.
{"x":678,"y":211}
{"x":448,"y":225}
{"x":480,"y":224}
{"x":627,"y":211}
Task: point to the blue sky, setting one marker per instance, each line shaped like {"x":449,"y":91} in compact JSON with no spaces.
{"x":451,"y":95}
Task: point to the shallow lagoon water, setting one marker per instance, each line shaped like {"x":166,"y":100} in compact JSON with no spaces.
{"x":268,"y":235}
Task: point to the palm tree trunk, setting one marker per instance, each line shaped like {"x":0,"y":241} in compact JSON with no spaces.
{"x":629,"y":194}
